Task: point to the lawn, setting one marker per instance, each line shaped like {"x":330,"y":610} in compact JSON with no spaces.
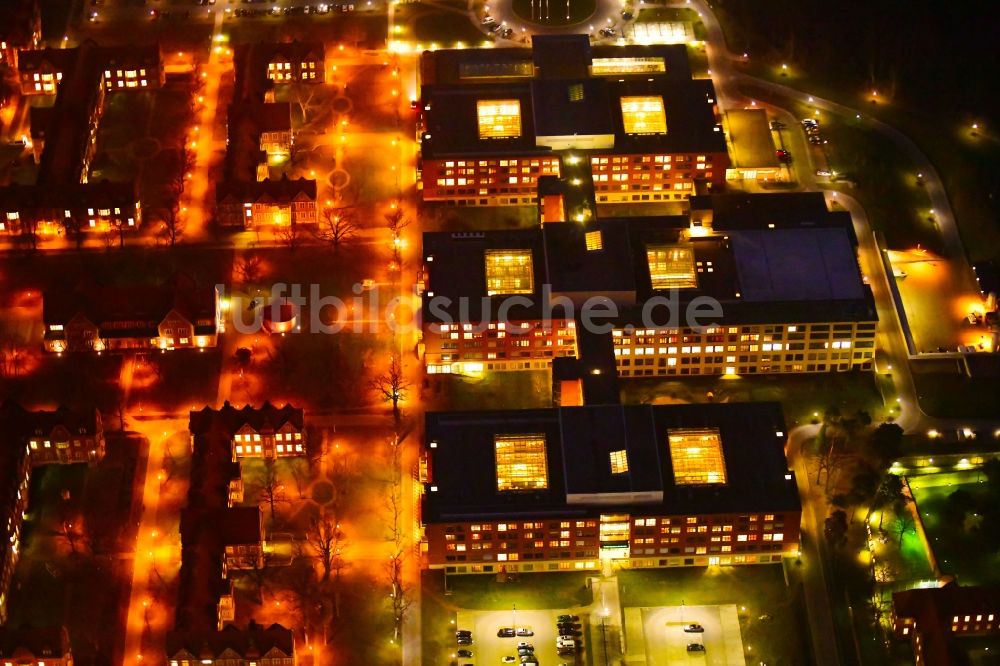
{"x":804,"y":397}
{"x":441,"y":217}
{"x":524,"y":389}
{"x":556,"y":13}
{"x":959,"y":549}
{"x":755,"y":590}
{"x":952,"y":395}
{"x":442,"y":24}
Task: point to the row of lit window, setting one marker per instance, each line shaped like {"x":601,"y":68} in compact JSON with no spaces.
{"x":549,"y":163}
{"x":281,"y":437}
{"x":659,"y":159}
{"x":256,"y":448}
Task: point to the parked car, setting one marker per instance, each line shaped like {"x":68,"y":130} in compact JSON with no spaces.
{"x":505,"y":632}
{"x":465,"y":654}
{"x":523,"y":644}
{"x":568,"y":618}
{"x":487,"y":20}
{"x":694,"y":628}
{"x":525,"y":631}
{"x":695,"y":647}
{"x":509,"y":659}
{"x":461,"y":632}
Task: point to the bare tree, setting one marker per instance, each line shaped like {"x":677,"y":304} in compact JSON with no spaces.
{"x":327,"y":540}
{"x":13,"y":353}
{"x":338,"y":224}
{"x":303,"y":95}
{"x":28,"y":230}
{"x":397,"y":221}
{"x":171,"y":213}
{"x":73,"y":224}
{"x":399,"y":592}
{"x":68,"y":531}
{"x":248,"y":268}
{"x":272,"y":491}
{"x":904,"y":522}
{"x":289,"y":235}
{"x":392,"y":387}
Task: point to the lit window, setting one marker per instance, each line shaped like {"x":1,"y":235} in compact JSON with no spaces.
{"x":643,"y":115}
{"x":696,"y":456}
{"x":671,"y":266}
{"x":601,"y":66}
{"x":594,"y":240}
{"x":509,"y":272}
{"x":619,"y":462}
{"x":521,"y":462}
{"x":499,"y":119}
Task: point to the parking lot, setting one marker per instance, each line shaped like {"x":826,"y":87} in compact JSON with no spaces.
{"x":489,"y":650}
{"x":659,"y":633}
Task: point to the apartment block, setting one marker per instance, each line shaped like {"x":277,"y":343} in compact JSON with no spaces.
{"x":30,"y":439}
{"x":136,"y":317}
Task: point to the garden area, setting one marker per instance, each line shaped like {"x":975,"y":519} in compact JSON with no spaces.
{"x":961,"y":512}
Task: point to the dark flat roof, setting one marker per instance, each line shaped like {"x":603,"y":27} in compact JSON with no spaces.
{"x":455,"y":66}
{"x":796,"y":265}
{"x":543,"y":78}
{"x":546,"y":110}
{"x":578,"y":443}
{"x":571,"y":106}
{"x":803,"y":270}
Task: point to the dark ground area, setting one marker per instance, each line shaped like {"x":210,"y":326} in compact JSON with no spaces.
{"x":935,"y":64}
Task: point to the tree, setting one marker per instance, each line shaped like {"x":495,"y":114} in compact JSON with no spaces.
{"x":327,"y":540}
{"x":338,"y":224}
{"x":73,"y":224}
{"x":248,"y":269}
{"x":885,"y":444}
{"x":399,"y":591}
{"x":272,"y":491}
{"x":889,"y":492}
{"x":13,"y":353}
{"x":835,"y":528}
{"x":243,"y":358}
{"x":303,"y":94}
{"x":289,"y":235}
{"x":864,"y":484}
{"x":396,"y":221}
{"x":392,"y":387}
{"x":904,"y":521}
{"x":28,"y":230}
{"x":171,"y":213}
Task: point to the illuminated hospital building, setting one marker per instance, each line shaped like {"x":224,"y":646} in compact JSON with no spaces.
{"x":570,"y":488}
{"x":494,"y":121}
{"x":782,"y":268}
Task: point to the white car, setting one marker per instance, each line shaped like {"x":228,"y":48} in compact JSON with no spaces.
{"x":487,"y":20}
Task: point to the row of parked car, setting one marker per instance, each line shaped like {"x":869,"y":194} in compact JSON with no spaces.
{"x":568,"y":630}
